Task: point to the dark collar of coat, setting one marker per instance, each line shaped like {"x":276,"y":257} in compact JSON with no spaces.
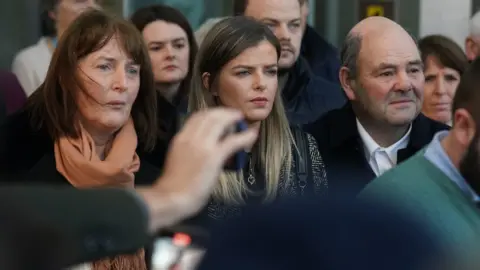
{"x":343,"y":129}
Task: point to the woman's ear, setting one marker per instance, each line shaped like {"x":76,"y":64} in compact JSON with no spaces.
{"x":206,"y":83}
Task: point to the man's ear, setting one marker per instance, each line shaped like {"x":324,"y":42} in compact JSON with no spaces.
{"x":464,"y":127}
{"x":471,"y":48}
{"x":348,"y":84}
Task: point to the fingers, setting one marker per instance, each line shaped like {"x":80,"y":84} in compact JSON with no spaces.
{"x":211,"y":124}
{"x":236,"y":142}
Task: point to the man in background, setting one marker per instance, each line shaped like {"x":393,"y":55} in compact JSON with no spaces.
{"x":472,"y":42}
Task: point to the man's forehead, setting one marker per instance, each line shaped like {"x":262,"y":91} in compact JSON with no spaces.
{"x":394,"y":48}
{"x":273,"y":9}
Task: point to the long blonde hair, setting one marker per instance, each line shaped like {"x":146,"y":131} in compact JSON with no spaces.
{"x":273,"y":151}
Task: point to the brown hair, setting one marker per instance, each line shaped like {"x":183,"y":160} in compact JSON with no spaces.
{"x":445,"y":50}
{"x":54,"y":105}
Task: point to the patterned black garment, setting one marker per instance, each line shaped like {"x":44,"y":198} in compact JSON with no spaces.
{"x":307,"y":178}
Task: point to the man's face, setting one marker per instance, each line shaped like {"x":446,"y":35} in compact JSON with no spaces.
{"x":284,"y":19}
{"x":389,"y":85}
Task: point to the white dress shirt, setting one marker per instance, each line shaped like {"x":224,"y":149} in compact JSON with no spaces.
{"x":381,"y":159}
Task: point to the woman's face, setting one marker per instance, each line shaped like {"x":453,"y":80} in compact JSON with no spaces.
{"x":440,"y":86}
{"x":249,"y":82}
{"x":68,"y":10}
{"x":111,"y":81}
{"x":169,"y":51}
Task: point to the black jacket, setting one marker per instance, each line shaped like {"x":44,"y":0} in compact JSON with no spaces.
{"x":44,"y":227}
{"x":27,"y":155}
{"x":322,"y":57}
{"x":307,"y":97}
{"x":342,"y":149}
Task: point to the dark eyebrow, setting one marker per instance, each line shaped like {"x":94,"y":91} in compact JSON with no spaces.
{"x":269,"y":20}
{"x":157,"y":42}
{"x":242,"y":66}
{"x":417,"y":62}
{"x":250,"y":67}
{"x":106,"y":58}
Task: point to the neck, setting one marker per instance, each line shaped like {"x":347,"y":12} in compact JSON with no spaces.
{"x":384,"y":135}
{"x":168,"y":90}
{"x":101,"y":139}
{"x":452,"y":150}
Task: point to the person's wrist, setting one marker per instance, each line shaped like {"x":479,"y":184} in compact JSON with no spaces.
{"x":166,"y":206}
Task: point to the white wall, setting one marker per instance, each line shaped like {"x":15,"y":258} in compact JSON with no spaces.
{"x":446,"y":17}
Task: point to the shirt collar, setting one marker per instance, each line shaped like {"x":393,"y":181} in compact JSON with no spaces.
{"x":371,"y":146}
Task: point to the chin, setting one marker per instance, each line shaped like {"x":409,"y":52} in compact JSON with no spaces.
{"x":256,"y":116}
{"x":171,"y":78}
{"x":286,"y":63}
{"x":114,"y":122}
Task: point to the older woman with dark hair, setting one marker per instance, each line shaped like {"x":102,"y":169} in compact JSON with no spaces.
{"x":445,"y":63}
{"x":91,"y":121}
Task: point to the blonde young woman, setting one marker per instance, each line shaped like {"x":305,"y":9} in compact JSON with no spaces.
{"x":237,"y":67}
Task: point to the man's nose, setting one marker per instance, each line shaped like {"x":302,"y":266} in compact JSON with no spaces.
{"x":404,"y":82}
{"x":282,"y":32}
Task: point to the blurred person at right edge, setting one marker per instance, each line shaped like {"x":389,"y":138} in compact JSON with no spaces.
{"x":472,"y":42}
{"x":382,"y":124}
{"x":441,"y":183}
{"x":306,"y":96}
{"x":31,"y":64}
{"x":237,"y":68}
{"x":321,"y":56}
{"x":444,"y":63}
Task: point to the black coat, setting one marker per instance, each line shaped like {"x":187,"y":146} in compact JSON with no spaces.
{"x":342,"y":149}
{"x":308,"y":97}
{"x":27,"y":155}
{"x":46,"y":227}
{"x":321,"y":56}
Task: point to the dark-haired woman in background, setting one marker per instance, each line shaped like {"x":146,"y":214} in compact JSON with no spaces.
{"x":172,"y":48}
{"x":445,"y":63}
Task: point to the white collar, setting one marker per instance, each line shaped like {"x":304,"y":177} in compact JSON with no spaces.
{"x":370,"y":146}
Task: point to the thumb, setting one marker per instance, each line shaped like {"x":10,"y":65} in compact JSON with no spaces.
{"x":237,"y":142}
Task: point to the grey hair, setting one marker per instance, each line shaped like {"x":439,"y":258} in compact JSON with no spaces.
{"x":349,"y":53}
